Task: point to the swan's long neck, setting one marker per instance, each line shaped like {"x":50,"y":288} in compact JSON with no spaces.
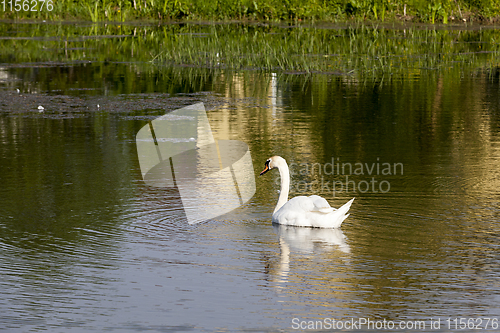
{"x":285,"y":184}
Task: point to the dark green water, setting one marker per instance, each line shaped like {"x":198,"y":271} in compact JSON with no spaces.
{"x":85,"y":245}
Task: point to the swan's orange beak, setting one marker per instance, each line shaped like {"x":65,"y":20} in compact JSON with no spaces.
{"x":266,"y":169}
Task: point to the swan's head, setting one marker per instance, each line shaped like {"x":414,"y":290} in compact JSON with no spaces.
{"x":273,"y":162}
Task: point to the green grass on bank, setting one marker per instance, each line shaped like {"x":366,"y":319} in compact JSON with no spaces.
{"x":429,"y":11}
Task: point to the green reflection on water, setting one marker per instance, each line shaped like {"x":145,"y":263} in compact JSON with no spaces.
{"x":60,"y":174}
{"x":365,"y":51}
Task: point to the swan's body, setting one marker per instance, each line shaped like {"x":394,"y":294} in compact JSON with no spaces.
{"x":302,"y":211}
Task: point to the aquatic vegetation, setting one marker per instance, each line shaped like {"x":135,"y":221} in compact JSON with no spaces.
{"x":360,"y":50}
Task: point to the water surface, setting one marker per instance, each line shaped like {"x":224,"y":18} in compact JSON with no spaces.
{"x":85,"y":245}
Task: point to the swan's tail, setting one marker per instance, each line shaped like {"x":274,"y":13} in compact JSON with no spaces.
{"x":342,"y":211}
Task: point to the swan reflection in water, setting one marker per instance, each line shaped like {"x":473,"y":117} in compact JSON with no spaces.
{"x":294,"y":239}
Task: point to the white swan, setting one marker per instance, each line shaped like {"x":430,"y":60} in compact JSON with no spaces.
{"x":302,"y":211}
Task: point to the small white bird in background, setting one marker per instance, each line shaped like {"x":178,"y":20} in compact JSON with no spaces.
{"x":40,"y":108}
{"x":302,"y":211}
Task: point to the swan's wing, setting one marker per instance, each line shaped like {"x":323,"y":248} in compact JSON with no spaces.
{"x":320,"y":204}
{"x":312,"y":211}
{"x":303,"y":204}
